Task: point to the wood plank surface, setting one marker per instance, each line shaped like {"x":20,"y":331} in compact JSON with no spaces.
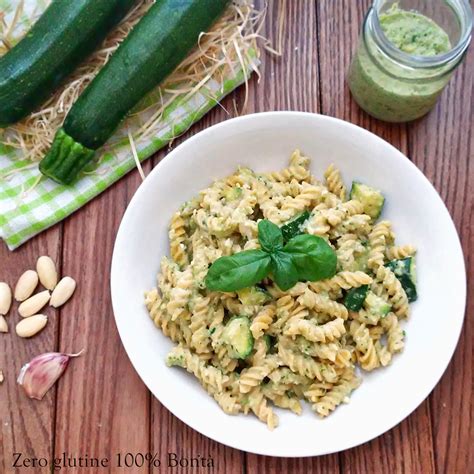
{"x":26,"y":427}
{"x":409,"y":446}
{"x":441,"y":145}
{"x":102,"y":397}
{"x":170,"y":438}
{"x":290,"y":83}
{"x":100,"y":406}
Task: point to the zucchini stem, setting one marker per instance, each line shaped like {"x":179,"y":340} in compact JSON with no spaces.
{"x":66,"y":158}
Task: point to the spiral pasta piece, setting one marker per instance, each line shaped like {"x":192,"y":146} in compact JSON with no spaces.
{"x":337,"y":394}
{"x":366,"y":353}
{"x":306,"y":366}
{"x":400,"y":251}
{"x":316,"y":391}
{"x":284,"y":375}
{"x":260,"y":348}
{"x":395,"y":334}
{"x":323,"y":303}
{"x":284,"y":310}
{"x":211,"y":378}
{"x":258,"y":404}
{"x":342,"y":280}
{"x":349,"y":248}
{"x":228,"y":402}
{"x":298,"y":169}
{"x":200,"y":340}
{"x":378,"y":239}
{"x":317,"y":223}
{"x":310,"y":195}
{"x":335,"y":216}
{"x":388,"y":283}
{"x":180,"y":295}
{"x":282,"y":400}
{"x":383,"y":353}
{"x":359,"y":224}
{"x":177,"y":236}
{"x":262,"y":321}
{"x":253,"y":376}
{"x":334,"y":182}
{"x":328,"y":332}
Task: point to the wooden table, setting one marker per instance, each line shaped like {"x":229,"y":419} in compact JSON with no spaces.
{"x":100,"y":407}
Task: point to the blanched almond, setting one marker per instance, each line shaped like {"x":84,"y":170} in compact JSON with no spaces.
{"x":47,"y":272}
{"x":34,"y":304}
{"x":5,"y":298}
{"x":3,"y":324}
{"x":30,"y":326}
{"x":63,"y":291}
{"x":26,"y":285}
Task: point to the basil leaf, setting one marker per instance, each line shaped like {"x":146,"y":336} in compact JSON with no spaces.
{"x":269,"y":236}
{"x":238,"y":271}
{"x":284,"y":271}
{"x":312,"y":256}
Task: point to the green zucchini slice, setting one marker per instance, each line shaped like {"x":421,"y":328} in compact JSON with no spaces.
{"x":371,"y":198}
{"x":253,"y":296}
{"x":376,"y":305}
{"x":294,"y":227}
{"x":405,"y":271}
{"x":355,"y":298}
{"x":238,"y":337}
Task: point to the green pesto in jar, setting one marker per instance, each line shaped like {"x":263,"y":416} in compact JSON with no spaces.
{"x":388,"y":90}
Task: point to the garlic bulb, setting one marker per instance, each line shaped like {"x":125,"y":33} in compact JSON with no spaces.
{"x":40,"y":374}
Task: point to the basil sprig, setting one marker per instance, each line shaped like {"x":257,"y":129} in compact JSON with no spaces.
{"x":303,"y":258}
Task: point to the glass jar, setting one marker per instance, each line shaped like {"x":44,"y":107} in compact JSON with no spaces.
{"x":394,"y":85}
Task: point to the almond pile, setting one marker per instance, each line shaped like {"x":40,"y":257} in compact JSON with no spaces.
{"x":55,"y":293}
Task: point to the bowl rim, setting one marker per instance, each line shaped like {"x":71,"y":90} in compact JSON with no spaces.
{"x":188,"y":143}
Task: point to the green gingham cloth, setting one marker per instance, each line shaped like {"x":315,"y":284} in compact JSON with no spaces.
{"x":28,"y":207}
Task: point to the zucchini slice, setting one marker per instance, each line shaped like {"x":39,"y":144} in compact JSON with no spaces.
{"x":253,"y":296}
{"x":65,"y":34}
{"x":376,"y":305}
{"x":270,"y":342}
{"x":372,"y":199}
{"x":238,"y":337}
{"x":355,"y":298}
{"x":405,"y":270}
{"x":294,"y":227}
{"x":150,"y":53}
{"x":233,"y":193}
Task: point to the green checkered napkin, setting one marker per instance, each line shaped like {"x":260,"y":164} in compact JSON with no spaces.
{"x":28,"y":207}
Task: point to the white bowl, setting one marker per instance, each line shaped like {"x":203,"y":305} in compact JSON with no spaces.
{"x":264,"y":142}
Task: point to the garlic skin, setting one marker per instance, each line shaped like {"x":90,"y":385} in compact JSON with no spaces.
{"x":41,"y":373}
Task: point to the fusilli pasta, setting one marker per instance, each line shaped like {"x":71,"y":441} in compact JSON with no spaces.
{"x":306,"y":343}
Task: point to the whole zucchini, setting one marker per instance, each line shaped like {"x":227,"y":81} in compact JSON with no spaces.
{"x":66,"y":33}
{"x":153,"y":49}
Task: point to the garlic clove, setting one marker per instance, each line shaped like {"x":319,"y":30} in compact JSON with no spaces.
{"x":41,"y":373}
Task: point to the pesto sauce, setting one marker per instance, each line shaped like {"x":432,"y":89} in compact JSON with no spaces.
{"x":414,"y":33}
{"x":384,"y":88}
